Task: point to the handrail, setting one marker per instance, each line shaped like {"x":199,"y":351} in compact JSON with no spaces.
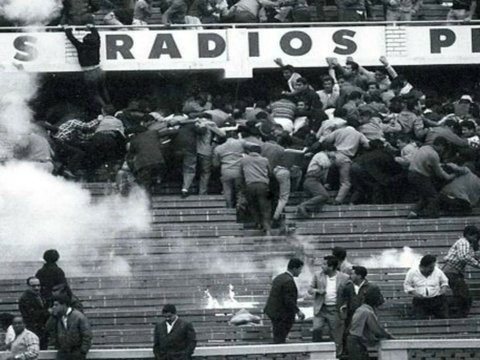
{"x":247,"y":25}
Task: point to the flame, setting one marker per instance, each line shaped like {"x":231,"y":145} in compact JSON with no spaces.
{"x":230,"y":303}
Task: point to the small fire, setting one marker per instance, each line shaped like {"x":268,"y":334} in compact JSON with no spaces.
{"x":229,"y":303}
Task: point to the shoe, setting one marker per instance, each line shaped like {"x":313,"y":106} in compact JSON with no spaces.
{"x":184,"y":193}
{"x":302,"y":212}
{"x":412,"y":215}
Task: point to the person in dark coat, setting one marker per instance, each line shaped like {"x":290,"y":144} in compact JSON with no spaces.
{"x":371,"y":174}
{"x":34,"y":310}
{"x":281,"y":305}
{"x":69,"y":331}
{"x":174,"y":338}
{"x":355,"y":292}
{"x":50,"y":275}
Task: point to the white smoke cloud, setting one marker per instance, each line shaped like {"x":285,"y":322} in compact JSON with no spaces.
{"x":30,"y":12}
{"x":39,"y":211}
{"x":392,"y":258}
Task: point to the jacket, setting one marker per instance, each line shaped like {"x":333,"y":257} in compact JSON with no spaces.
{"x":354,"y":301}
{"x":179,"y":344}
{"x":282,"y":300}
{"x":34,"y":311}
{"x":319,"y":281}
{"x":77,"y":337}
{"x":89,"y":49}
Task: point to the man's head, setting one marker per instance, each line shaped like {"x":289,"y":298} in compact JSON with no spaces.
{"x":287,"y":71}
{"x":301,"y":84}
{"x":358,"y":274}
{"x":108,"y":109}
{"x":440,"y":144}
{"x":351,"y":68}
{"x":468,"y":128}
{"x":427,"y":264}
{"x":51,"y":256}
{"x":169,"y":312}
{"x":330,"y":265}
{"x":366,"y":112}
{"x":295,"y":266}
{"x":403,"y":140}
{"x":380,"y":74}
{"x":18,"y":325}
{"x":471,"y":233}
{"x":61,"y":303}
{"x":252,"y":148}
{"x":355,"y":96}
{"x":340,"y":253}
{"x":372,"y":87}
{"x":34,"y":284}
{"x":327,"y":83}
{"x":373,"y":297}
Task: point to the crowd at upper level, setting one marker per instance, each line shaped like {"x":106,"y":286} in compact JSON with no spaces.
{"x":150,"y":12}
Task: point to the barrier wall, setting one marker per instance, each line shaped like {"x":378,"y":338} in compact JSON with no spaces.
{"x":425,"y":349}
{"x":313,"y":351}
{"x":238,"y":51}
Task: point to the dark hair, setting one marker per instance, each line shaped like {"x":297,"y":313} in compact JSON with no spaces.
{"x":470,"y":230}
{"x":440,"y":141}
{"x":450,"y":123}
{"x":169,"y":308}
{"x":62,"y":299}
{"x":406,"y":138}
{"x":294,"y":263}
{"x":261,"y":104}
{"x":354,"y":95}
{"x":288,"y":68}
{"x":468,"y":124}
{"x":51,"y":256}
{"x":383,"y":71}
{"x":30,"y":278}
{"x":339,"y":252}
{"x":360,"y":270}
{"x":327,"y":78}
{"x":6,"y":320}
{"x":376,"y":144}
{"x":332,"y":261}
{"x":340,"y":112}
{"x":109,"y":109}
{"x":353,"y":64}
{"x":302,"y":80}
{"x":373,"y":297}
{"x":428,"y":260}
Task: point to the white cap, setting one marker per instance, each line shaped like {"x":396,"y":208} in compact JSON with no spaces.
{"x":466,"y":98}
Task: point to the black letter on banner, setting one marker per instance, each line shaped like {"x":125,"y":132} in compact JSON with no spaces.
{"x":158,"y":48}
{"x":119,"y":44}
{"x":348,"y":46}
{"x":475,"y":40}
{"x":204,"y":40}
{"x":26,"y":52}
{"x":441,"y":38}
{"x":285,"y":43}
{"x":253,"y":45}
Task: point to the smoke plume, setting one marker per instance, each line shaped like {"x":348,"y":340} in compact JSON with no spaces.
{"x":392,"y":258}
{"x":39,"y":211}
{"x":30,"y":12}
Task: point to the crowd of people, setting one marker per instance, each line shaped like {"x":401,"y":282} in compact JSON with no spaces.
{"x":145,"y":12}
{"x":350,"y":142}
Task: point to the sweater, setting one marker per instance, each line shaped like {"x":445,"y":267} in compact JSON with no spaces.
{"x":88,"y":50}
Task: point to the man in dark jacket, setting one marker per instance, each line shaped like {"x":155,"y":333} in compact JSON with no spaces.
{"x":88,"y":51}
{"x":69,"y":331}
{"x":174,"y":338}
{"x":50,"y":275}
{"x":34,"y":310}
{"x":281,"y":305}
{"x":355,"y":293}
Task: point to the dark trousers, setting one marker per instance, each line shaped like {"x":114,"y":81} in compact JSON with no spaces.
{"x":427,"y":205}
{"x":356,"y":349}
{"x":462,"y":301}
{"x":258,"y":197}
{"x":147,"y":176}
{"x":437,"y":307}
{"x":454,"y":206}
{"x":281,"y":328}
{"x":105,"y":147}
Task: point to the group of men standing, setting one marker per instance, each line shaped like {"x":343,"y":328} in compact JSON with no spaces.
{"x":344,"y":302}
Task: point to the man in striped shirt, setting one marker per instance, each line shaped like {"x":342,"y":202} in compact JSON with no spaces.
{"x":461,"y":254}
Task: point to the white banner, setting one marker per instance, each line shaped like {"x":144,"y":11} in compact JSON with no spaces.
{"x":239,"y":51}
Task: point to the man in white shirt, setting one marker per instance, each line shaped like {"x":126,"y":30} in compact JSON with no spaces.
{"x":428,"y":285}
{"x":26,"y":345}
{"x":329,"y":304}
